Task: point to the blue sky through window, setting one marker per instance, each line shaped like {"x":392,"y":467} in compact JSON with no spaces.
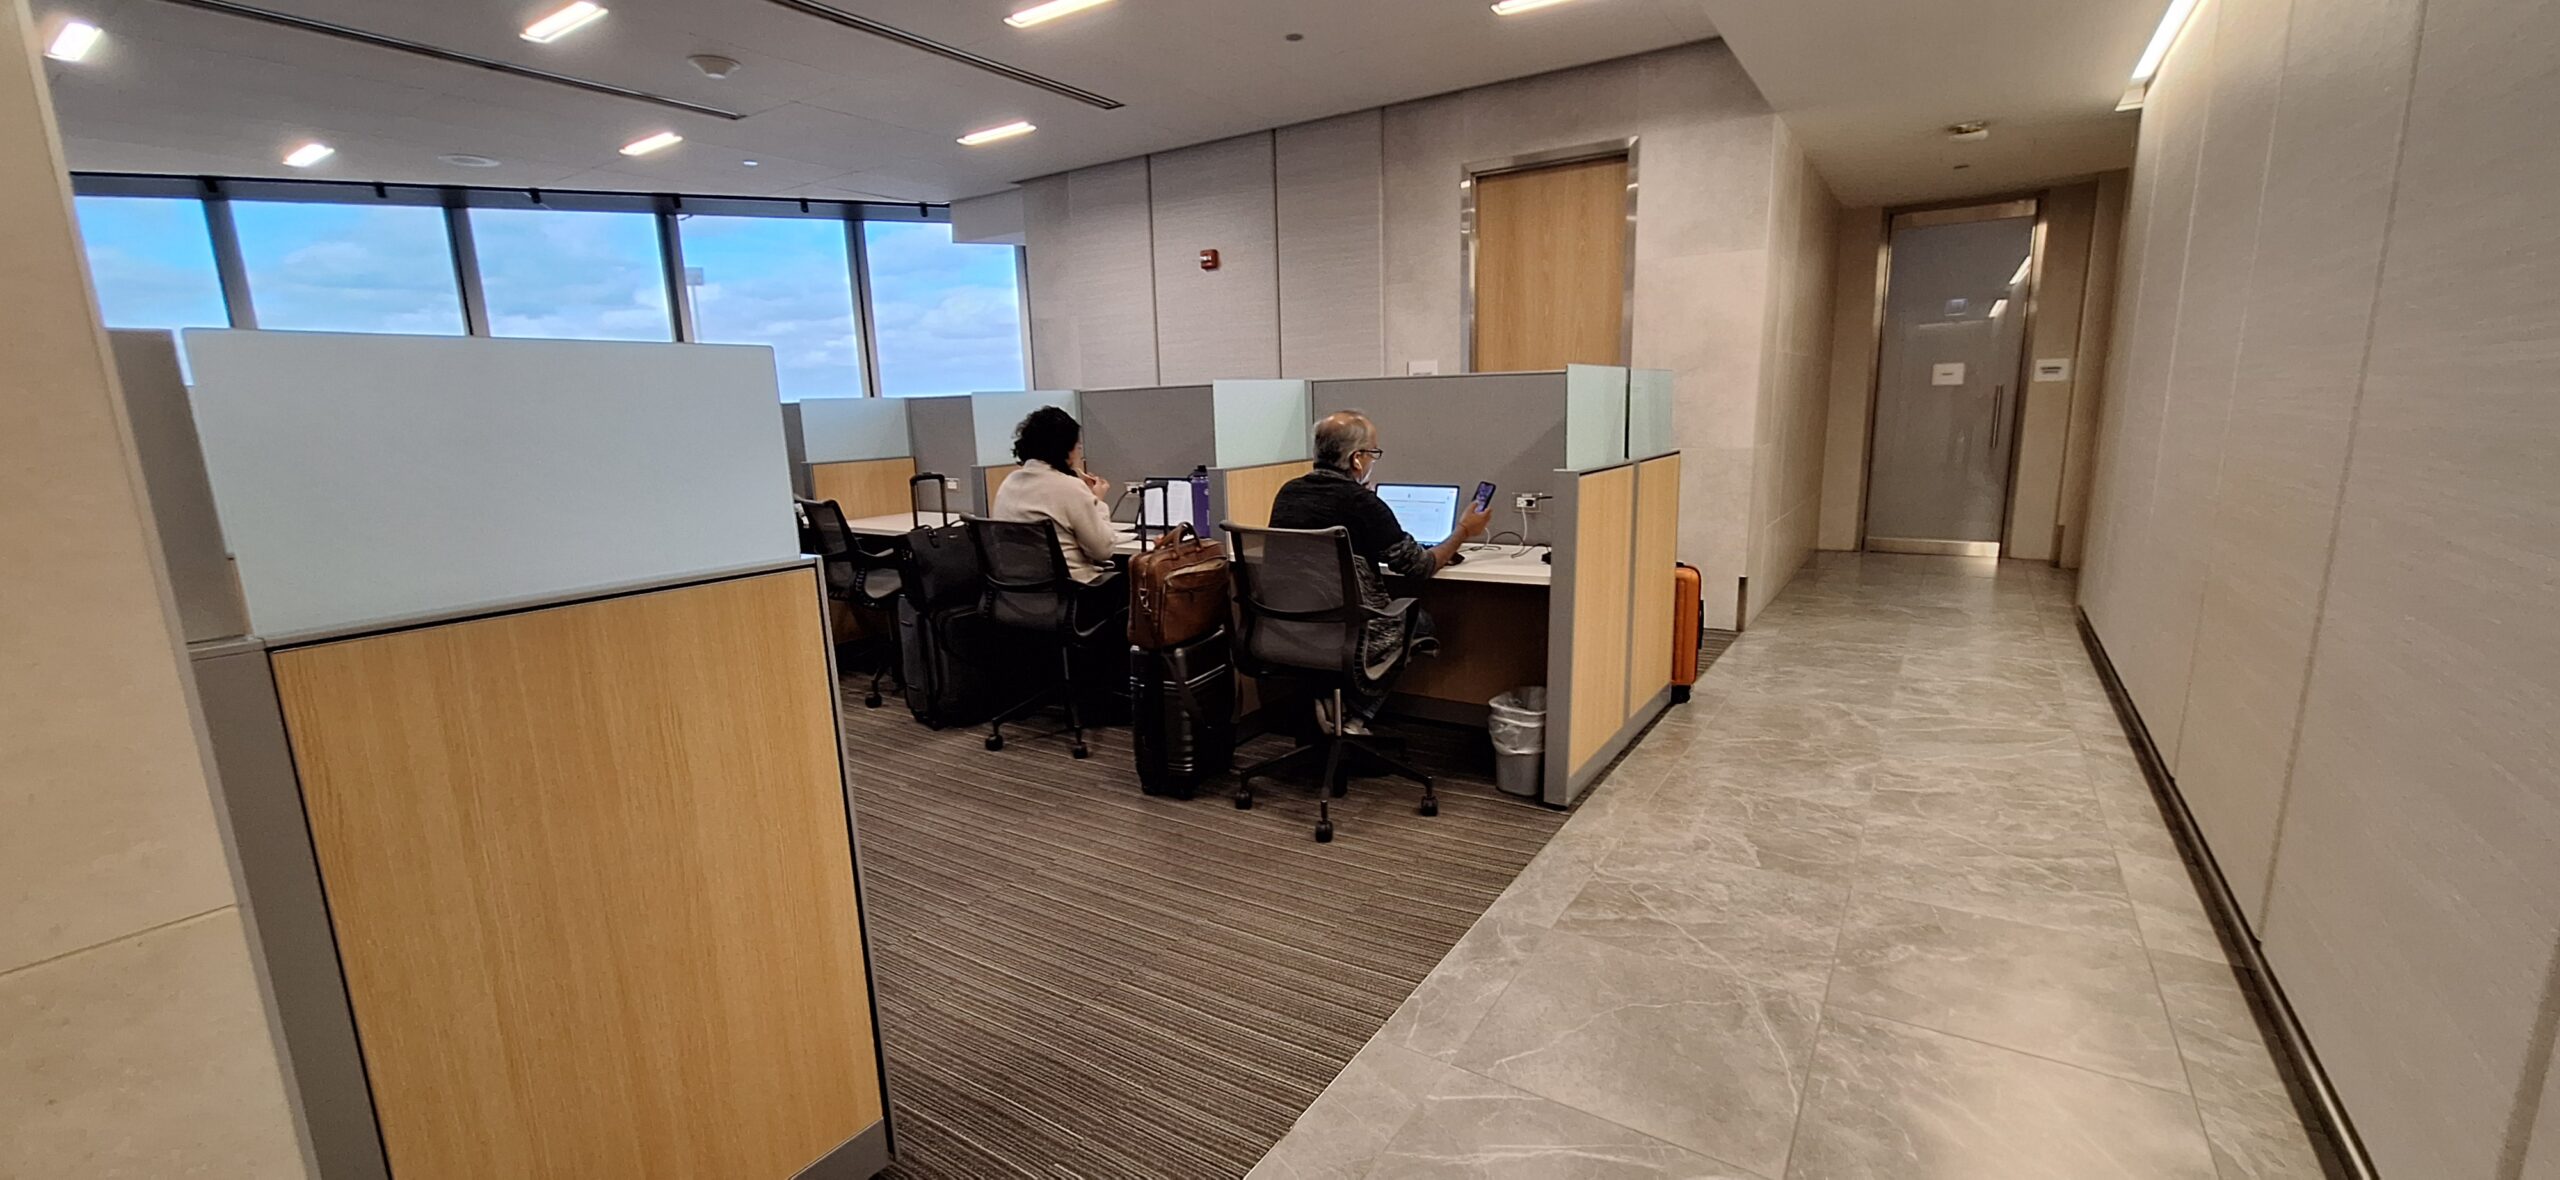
{"x":779,"y":281}
{"x":949,"y":315}
{"x":572,"y":275}
{"x":152,"y":261}
{"x":349,"y":268}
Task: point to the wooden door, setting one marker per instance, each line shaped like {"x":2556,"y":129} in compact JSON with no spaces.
{"x":1551,"y":266}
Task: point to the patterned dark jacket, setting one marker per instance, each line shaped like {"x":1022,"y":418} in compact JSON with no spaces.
{"x":1324,"y":498}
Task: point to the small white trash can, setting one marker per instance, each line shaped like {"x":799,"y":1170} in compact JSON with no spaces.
{"x":1518,"y":726}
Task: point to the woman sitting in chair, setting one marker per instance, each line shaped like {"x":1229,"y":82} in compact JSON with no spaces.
{"x":1053,"y":485}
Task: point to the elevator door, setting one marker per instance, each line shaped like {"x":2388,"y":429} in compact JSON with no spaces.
{"x":1947,"y":381}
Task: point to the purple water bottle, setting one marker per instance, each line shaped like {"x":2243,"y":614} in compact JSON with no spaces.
{"x":1200,"y":500}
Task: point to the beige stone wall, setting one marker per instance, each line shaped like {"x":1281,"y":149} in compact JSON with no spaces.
{"x":133,"y":1039}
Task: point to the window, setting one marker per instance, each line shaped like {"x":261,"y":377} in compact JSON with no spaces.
{"x":151,"y":259}
{"x":349,"y":268}
{"x":565,"y":275}
{"x":780,"y":281}
{"x":949,"y":315}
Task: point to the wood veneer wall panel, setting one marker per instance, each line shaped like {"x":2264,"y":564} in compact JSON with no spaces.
{"x":1250,"y":491}
{"x":592,"y":883}
{"x":867,"y":487}
{"x":1603,"y":554}
{"x":1657,"y":549}
{"x":1551,"y":267}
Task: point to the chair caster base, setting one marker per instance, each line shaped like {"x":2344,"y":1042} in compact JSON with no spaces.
{"x":995,"y":743}
{"x":1324,"y":832}
{"x":1081,"y":752}
{"x":872,"y":701}
{"x":1430,"y":807}
{"x":1244,"y":802}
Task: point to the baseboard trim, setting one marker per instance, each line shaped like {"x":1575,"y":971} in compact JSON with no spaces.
{"x":2313,"y":1091}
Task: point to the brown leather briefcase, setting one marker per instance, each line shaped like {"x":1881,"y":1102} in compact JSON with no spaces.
{"x":1177,"y":590}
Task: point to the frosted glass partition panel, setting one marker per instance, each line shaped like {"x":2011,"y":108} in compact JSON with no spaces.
{"x":1649,"y":413}
{"x":368,"y":478}
{"x":996,"y":414}
{"x":1262,"y":422}
{"x":846,"y":429}
{"x":1595,"y":416}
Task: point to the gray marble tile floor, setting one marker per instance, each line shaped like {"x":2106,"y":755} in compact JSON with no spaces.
{"x":1889,"y":899}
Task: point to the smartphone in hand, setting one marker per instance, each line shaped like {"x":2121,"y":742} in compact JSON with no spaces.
{"x":1484,"y":496}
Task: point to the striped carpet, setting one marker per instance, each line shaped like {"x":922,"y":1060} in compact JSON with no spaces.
{"x":1076,"y":980}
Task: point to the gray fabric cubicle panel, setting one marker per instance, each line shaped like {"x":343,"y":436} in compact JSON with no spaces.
{"x":943,"y":433}
{"x":796,"y":443}
{"x":1130,"y":434}
{"x":1457,"y":429}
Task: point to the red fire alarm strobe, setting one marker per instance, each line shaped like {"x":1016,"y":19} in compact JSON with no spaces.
{"x":1208,"y":260}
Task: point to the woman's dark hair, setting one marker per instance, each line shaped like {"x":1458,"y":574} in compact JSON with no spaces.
{"x":1048,"y":434}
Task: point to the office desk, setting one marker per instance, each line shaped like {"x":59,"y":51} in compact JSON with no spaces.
{"x":1490,"y":613}
{"x":899,"y":524}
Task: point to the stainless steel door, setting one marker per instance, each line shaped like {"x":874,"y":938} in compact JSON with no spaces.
{"x":1947,"y":380}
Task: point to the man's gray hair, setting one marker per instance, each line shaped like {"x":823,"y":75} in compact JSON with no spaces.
{"x":1339,"y":436}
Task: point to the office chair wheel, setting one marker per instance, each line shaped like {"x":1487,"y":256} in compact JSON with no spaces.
{"x":872,"y":701}
{"x":1341,"y":788}
{"x":995,"y":743}
{"x":1081,"y":752}
{"x":1430,"y":807}
{"x":1324,"y":831}
{"x":1244,"y":800}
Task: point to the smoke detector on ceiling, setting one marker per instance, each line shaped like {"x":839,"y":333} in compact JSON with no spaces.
{"x":713,"y":65}
{"x":1971,"y":132}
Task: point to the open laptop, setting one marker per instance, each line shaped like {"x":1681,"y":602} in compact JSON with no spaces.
{"x":1429,"y":511}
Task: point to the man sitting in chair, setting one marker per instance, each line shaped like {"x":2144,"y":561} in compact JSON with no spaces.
{"x":1337,"y":492}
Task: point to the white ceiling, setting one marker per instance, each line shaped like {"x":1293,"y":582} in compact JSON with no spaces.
{"x":1870,"y":86}
{"x":832,"y":112}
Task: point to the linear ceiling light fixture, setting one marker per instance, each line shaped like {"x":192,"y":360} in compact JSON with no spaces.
{"x":2163,"y":39}
{"x":564,"y":22}
{"x":992,"y":134}
{"x":74,"y":41}
{"x":421,"y":49}
{"x":309,"y":154}
{"x":1515,"y":7}
{"x":890,"y":32}
{"x":1050,"y":11}
{"x":646,"y":145}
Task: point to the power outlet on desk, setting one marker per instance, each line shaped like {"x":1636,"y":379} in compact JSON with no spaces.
{"x":1527,"y":501}
{"x":950,"y":483}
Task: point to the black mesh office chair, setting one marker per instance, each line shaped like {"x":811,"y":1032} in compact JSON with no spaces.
{"x":1303,"y":619}
{"x":862,"y":573}
{"x":1028,"y":589}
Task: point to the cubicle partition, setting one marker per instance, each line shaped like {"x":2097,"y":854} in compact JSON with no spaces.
{"x":1610,"y":624}
{"x":1461,"y":428}
{"x":860,"y":452}
{"x":545,"y":838}
{"x":1149,"y":432}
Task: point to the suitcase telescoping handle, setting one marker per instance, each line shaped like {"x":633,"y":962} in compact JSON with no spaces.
{"x":941,"y":494}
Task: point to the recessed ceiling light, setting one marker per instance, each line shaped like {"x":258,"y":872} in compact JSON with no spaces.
{"x":750,"y":163}
{"x":309,"y":154}
{"x":1049,"y":12}
{"x":467,"y":160}
{"x":992,"y":134}
{"x":564,"y":22}
{"x":74,"y":41}
{"x":642,"y":147}
{"x":1509,"y":7}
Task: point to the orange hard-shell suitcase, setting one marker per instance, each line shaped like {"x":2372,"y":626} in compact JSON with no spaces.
{"x":1688,"y":616}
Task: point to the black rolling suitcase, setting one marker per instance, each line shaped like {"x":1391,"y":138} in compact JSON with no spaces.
{"x":945,"y":659}
{"x":1183,"y":705}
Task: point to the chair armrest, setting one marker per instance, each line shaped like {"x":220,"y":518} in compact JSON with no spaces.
{"x":1396,"y":609}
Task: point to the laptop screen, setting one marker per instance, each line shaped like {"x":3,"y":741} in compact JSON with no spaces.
{"x":1427,"y":510}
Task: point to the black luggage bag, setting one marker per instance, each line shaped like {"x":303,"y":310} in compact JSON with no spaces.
{"x":945,"y":654}
{"x":1183,"y":705}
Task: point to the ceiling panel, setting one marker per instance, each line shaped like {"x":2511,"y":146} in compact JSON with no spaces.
{"x":1870,"y":86}
{"x":179,"y":90}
